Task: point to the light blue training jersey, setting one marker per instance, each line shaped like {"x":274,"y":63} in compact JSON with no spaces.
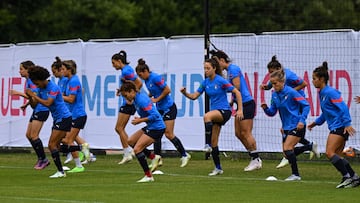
{"x":74,"y":87}
{"x":292,"y":106}
{"x":58,"y":108}
{"x":216,"y":89}
{"x":145,"y":108}
{"x":156,"y":85}
{"x":233,"y":72}
{"x":30,"y":85}
{"x":334,"y":110}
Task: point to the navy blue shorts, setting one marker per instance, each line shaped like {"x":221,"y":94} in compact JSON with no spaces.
{"x":79,"y":123}
{"x":340,"y":131}
{"x":249,"y":108}
{"x":294,"y":132}
{"x":63,"y":125}
{"x":226,"y":114}
{"x":39,"y":116}
{"x":128,"y":109}
{"x":155,"y":134}
{"x":170,"y":114}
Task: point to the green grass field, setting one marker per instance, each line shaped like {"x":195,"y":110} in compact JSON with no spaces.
{"x":106,"y":181}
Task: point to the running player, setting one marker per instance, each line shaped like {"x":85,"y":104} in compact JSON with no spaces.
{"x":119,"y":62}
{"x":58,"y":72}
{"x":50,"y":96}
{"x":336,"y":114}
{"x":216,"y":87}
{"x":160,"y":94}
{"x":243,"y":128}
{"x":154,"y":129}
{"x":73,"y":96}
{"x":296,"y":82}
{"x":293,"y":110}
{"x":37,"y":119}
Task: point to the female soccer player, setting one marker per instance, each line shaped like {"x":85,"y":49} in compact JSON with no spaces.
{"x":298,"y":84}
{"x":243,"y":128}
{"x":119,"y":62}
{"x":336,"y":114}
{"x":50,"y":96}
{"x":293,"y":109}
{"x":216,"y":87}
{"x":37,"y":119}
{"x":154,"y":129}
{"x":73,"y":96}
{"x":58,"y":72}
{"x":159,"y":93}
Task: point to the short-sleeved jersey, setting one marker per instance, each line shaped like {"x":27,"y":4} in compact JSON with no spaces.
{"x":62,"y":82}
{"x":156,"y":85}
{"x":127,"y":73}
{"x":292,"y":106}
{"x":235,"y":71}
{"x":34,"y":88}
{"x":216,"y":89}
{"x":291,"y":80}
{"x":74,"y":87}
{"x":58,"y":108}
{"x":334,"y":110}
{"x":145,"y":108}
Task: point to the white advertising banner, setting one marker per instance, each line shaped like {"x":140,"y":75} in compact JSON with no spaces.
{"x":185,"y":69}
{"x":9,"y":78}
{"x":42,"y":54}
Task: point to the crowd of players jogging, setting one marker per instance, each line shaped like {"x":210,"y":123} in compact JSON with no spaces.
{"x":64,"y":101}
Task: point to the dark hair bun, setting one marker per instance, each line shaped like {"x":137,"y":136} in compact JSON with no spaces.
{"x":273,"y":58}
{"x":325,"y":65}
{"x":141,"y":62}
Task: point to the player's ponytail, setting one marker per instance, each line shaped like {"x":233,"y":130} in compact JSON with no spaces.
{"x":220,"y":55}
{"x":274,"y":63}
{"x":122,"y":56}
{"x":322,"y":72}
{"x":57,"y":63}
{"x":142,"y":66}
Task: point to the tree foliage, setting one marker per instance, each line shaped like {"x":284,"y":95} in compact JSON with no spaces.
{"x":40,"y":20}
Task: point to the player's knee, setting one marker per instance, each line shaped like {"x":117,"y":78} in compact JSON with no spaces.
{"x":137,"y":149}
{"x":131,"y":142}
{"x":329,"y":154}
{"x":119,"y":129}
{"x":52,"y":146}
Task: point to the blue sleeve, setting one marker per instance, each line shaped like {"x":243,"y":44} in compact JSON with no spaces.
{"x":128,"y":74}
{"x":201,"y":89}
{"x":292,"y":79}
{"x":74,"y":86}
{"x":150,"y":111}
{"x":320,"y":120}
{"x":304,"y":105}
{"x":233,"y":73}
{"x":272,"y":110}
{"x":159,"y":81}
{"x":269,"y":85}
{"x":54,"y":91}
{"x":337,"y":100}
{"x":226,"y":85}
{"x":32,"y":86}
